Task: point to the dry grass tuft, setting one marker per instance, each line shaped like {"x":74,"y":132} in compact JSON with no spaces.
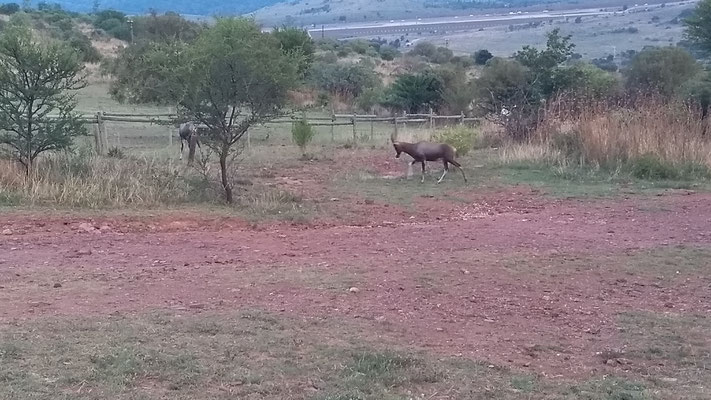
{"x":83,"y":180}
{"x":643,"y":135}
{"x":607,"y":134}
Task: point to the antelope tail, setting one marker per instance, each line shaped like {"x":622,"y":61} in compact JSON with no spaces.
{"x":392,"y":137}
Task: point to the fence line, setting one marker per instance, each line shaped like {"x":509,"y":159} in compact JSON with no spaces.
{"x":99,"y":119}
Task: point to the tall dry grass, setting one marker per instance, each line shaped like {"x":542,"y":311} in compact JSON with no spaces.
{"x":83,"y":180}
{"x":610,"y":134}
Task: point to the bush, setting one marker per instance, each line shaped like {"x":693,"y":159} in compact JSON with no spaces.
{"x":424,"y":49}
{"x":388,"y":53}
{"x":343,"y":78}
{"x":302,"y":133}
{"x":569,"y":144}
{"x":460,"y":137}
{"x":654,"y":137}
{"x":651,"y":167}
{"x":442,"y":55}
{"x":464,"y":62}
{"x":482,"y":56}
{"x":83,"y":46}
{"x":84,"y":180}
{"x":115,"y":152}
{"x":359,"y":46}
{"x":370,"y":98}
{"x":662,"y":70}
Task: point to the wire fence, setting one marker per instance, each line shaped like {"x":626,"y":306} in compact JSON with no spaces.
{"x":155,"y":131}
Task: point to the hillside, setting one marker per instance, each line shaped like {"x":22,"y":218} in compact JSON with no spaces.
{"x":205,"y":7}
{"x":303,"y":11}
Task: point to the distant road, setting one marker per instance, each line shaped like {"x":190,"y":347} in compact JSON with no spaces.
{"x":469,"y":22}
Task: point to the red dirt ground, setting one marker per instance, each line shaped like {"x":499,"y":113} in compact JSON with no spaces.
{"x":435,"y":278}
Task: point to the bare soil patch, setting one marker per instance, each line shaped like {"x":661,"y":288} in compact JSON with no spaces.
{"x":505,"y":276}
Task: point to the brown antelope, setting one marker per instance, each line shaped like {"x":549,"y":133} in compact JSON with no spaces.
{"x":422,"y":152}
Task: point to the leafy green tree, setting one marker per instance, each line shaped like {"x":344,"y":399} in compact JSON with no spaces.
{"x":457,"y":94}
{"x":698,"y":25}
{"x":542,"y":63}
{"x":388,"y":53}
{"x":230,"y":78}
{"x":302,"y":133}
{"x":297,"y":43}
{"x":164,"y":28}
{"x":698,"y":91}
{"x":482,"y":56}
{"x":345,"y":79}
{"x":114,"y":23}
{"x":424,"y":49}
{"x":37,"y":81}
{"x":505,"y":93}
{"x":661,"y":70}
{"x":442,"y":56}
{"x":593,"y":81}
{"x":142,"y":72}
{"x":370,"y":98}
{"x":415,"y":92}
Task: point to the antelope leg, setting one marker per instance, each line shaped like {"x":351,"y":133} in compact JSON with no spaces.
{"x":423,"y":172}
{"x":442,"y":177}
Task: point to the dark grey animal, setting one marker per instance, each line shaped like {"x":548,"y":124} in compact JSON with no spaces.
{"x":422,"y":152}
{"x":186,"y":132}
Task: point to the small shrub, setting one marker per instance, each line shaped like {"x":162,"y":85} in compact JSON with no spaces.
{"x":570,"y":145}
{"x":651,"y":167}
{"x":388,"y":53}
{"x":115,"y":152}
{"x":482,"y":56}
{"x":302,"y":134}
{"x":460,"y":137}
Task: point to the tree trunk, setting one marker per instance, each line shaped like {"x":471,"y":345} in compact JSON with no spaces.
{"x":223,"y":171}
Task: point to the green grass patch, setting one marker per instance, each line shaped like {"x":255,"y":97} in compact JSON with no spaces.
{"x":662,"y":262}
{"x":611,"y":389}
{"x":669,"y":262}
{"x":250,"y":354}
{"x":573,"y":181}
{"x":673,"y":349}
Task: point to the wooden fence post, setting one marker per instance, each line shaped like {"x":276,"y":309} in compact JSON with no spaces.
{"x":395,"y":127}
{"x":432,"y":123}
{"x":100,"y":137}
{"x":170,"y":136}
{"x":461,"y":120}
{"x":372,"y":129}
{"x":355,"y":135}
{"x":333,"y":121}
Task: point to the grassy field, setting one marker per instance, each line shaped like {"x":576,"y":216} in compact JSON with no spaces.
{"x":257,"y":354}
{"x":336,"y":278}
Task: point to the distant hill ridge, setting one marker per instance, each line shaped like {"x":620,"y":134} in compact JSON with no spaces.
{"x":193,"y":7}
{"x":299,"y":7}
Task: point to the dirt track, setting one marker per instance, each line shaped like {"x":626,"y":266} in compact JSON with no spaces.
{"x":455,"y":280}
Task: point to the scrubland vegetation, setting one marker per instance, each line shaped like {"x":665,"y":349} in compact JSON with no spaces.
{"x":543,"y":107}
{"x":295,"y":261}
